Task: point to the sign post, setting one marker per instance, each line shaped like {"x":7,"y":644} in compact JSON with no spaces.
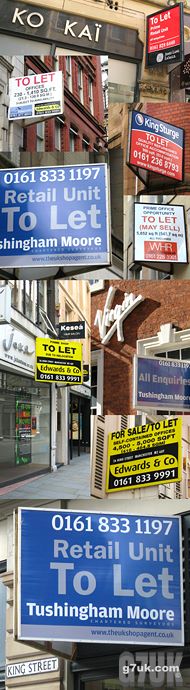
{"x":144,"y":455}
{"x":54,"y":216}
{"x":65,"y":556}
{"x":58,"y":361}
{"x":160,"y":233}
{"x":165,"y":36}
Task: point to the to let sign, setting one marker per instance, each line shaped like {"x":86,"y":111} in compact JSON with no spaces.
{"x":164,"y":38}
{"x":65,"y":556}
{"x":160,"y":233}
{"x":36,"y":95}
{"x":156,"y":146}
{"x":58,"y":360}
{"x":51,"y":216}
{"x":144,"y":455}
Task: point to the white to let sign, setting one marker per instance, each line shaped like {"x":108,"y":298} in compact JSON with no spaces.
{"x":160,"y":233}
{"x":37,"y":95}
{"x":31,"y":668}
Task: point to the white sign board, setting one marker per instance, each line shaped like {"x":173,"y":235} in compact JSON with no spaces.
{"x":37,"y":95}
{"x":31,"y":668}
{"x":17,"y":349}
{"x":160,"y":233}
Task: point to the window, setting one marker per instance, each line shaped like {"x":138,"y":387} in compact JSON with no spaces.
{"x":73,"y":134}
{"x":85,"y":144}
{"x":58,"y":135}
{"x":80,"y":83}
{"x":90,"y":95}
{"x":69,"y":72}
{"x":40,"y":128}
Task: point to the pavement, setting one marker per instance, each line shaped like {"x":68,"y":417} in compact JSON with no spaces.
{"x":70,"y":481}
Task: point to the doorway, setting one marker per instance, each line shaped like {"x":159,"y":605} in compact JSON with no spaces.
{"x":79,"y":425}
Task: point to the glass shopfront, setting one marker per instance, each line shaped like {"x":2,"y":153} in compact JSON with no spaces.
{"x":24,"y":424}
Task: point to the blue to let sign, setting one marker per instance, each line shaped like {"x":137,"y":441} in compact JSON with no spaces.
{"x":162,"y":383}
{"x":99,"y":577}
{"x":51,"y":216}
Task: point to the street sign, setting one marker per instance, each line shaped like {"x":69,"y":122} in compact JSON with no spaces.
{"x":54,"y":215}
{"x":74,"y":330}
{"x":99,"y":577}
{"x":36,"y":95}
{"x":160,"y":233}
{"x":161,"y":383}
{"x":156,"y":146}
{"x":32,"y":667}
{"x":164,"y":36}
{"x":58,"y":360}
{"x":144,"y":455}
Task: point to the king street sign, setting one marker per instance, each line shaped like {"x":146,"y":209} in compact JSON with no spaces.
{"x":65,"y":556}
{"x":54,"y":216}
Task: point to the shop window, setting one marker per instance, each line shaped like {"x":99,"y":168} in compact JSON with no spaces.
{"x":90,"y":95}
{"x":73,"y":134}
{"x":80,"y":84}
{"x":40,"y":143}
{"x":69,"y":72}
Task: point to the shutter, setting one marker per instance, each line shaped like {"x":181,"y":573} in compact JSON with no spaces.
{"x":124,"y":421}
{"x":99,"y":458}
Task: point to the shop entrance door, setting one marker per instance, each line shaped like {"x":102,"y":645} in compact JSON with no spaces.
{"x":79,"y":425}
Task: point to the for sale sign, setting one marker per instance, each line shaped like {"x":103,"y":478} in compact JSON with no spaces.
{"x":160,"y":233}
{"x":36,"y":95}
{"x":144,"y":455}
{"x":164,"y":37}
{"x":156,"y":146}
{"x":58,"y":361}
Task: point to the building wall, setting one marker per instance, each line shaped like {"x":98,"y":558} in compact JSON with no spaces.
{"x":160,"y":306}
{"x":76,"y":114}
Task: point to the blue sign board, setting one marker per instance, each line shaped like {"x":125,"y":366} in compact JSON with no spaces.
{"x":162,"y":383}
{"x":99,"y":577}
{"x":54,"y":216}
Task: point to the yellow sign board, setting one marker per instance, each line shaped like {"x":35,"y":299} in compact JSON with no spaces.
{"x":58,"y":361}
{"x":145,"y":455}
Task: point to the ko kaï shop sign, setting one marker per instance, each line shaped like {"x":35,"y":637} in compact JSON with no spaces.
{"x":65,"y":556}
{"x":52,"y":26}
{"x":52,"y":216}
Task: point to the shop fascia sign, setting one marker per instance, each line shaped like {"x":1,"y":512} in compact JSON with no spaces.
{"x":115,"y":316}
{"x":17,"y":348}
{"x":32,"y":667}
{"x":36,"y":19}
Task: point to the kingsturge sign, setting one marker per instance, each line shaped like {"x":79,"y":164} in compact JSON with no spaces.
{"x":65,"y":556}
{"x":155,"y":145}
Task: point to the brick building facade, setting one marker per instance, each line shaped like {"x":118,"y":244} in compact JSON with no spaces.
{"x":112,"y":363}
{"x":81,"y":127}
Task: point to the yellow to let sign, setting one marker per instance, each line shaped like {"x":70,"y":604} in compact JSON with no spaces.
{"x":145,"y":455}
{"x":58,"y":361}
